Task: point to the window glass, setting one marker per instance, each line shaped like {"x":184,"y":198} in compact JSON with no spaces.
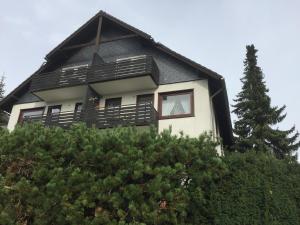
{"x":37,"y":112}
{"x":54,"y":110}
{"x":113,"y":102}
{"x":176,"y":104}
{"x":78,"y":107}
{"x":31,"y":113}
{"x":146,"y":99}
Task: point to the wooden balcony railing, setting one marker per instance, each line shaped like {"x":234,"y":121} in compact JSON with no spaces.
{"x":127,"y":68}
{"x":127,"y":115}
{"x":59,"y":78}
{"x":62,"y":119}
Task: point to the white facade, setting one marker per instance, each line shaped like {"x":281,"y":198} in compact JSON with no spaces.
{"x":202,"y":121}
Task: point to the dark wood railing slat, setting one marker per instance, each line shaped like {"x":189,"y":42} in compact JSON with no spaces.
{"x":132,"y":115}
{"x":96,"y":73}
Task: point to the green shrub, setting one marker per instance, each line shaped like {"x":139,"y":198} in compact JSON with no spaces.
{"x":87,"y":176}
{"x":123,"y":176}
{"x":259,"y":189}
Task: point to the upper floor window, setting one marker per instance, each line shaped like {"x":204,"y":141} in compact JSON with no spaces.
{"x":113,"y":102}
{"x":33,"y":113}
{"x":176,"y":104}
{"x":54,"y":110}
{"x":78,"y":107}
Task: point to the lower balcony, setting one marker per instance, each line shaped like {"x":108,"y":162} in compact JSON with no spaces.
{"x":126,"y":115}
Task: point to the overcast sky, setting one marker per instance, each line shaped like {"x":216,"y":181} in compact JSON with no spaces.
{"x":213,"y":33}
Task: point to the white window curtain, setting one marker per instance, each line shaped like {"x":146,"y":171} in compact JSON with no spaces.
{"x":176,"y":104}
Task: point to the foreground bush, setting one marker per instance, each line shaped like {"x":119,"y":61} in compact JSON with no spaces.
{"x":86,"y":176}
{"x":258,"y":189}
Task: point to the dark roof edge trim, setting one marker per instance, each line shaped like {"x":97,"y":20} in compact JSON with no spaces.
{"x":19,"y":87}
{"x":228,"y":115}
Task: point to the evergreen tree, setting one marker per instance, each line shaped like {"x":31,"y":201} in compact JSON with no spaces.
{"x":256,"y":127}
{"x":2,"y":84}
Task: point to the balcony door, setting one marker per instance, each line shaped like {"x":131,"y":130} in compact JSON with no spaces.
{"x":77,"y":112}
{"x":113,"y":111}
{"x":147,"y":99}
{"x":53,"y":114}
{"x":144,"y":108}
{"x":113,"y":102}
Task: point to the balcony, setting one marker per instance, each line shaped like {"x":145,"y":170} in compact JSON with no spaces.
{"x":131,"y":74}
{"x":126,"y":115}
{"x":60,"y":84}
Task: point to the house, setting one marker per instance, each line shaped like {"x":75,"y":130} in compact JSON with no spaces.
{"x":108,"y":73}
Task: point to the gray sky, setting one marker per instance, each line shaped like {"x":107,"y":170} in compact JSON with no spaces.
{"x":213,"y":33}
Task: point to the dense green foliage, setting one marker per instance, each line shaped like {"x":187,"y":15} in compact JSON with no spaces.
{"x":122,"y":176}
{"x":256,"y":117}
{"x":258,"y":190}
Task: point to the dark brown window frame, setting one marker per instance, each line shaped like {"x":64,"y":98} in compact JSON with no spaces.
{"x":50,"y":107}
{"x":172,"y":93}
{"x":29,"y":109}
{"x":109,"y":99}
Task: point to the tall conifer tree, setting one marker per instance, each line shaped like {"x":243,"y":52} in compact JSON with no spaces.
{"x":256,"y":126}
{"x":2,"y":119}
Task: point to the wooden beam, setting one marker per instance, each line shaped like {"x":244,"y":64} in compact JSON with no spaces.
{"x":98,"y":32}
{"x":94,"y":42}
{"x":120,"y":38}
{"x":78,"y":46}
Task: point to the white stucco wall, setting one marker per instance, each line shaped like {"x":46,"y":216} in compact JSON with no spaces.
{"x":127,"y":98}
{"x":202,"y":121}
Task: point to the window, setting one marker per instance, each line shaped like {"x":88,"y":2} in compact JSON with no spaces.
{"x":54,"y":110}
{"x":53,"y":114}
{"x":33,"y":113}
{"x":113,"y":102}
{"x":78,"y":107}
{"x":146,"y":99}
{"x":176,"y":104}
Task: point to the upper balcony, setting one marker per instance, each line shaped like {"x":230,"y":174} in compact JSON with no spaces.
{"x":60,"y":84}
{"x":124,"y":75}
{"x":131,"y":74}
